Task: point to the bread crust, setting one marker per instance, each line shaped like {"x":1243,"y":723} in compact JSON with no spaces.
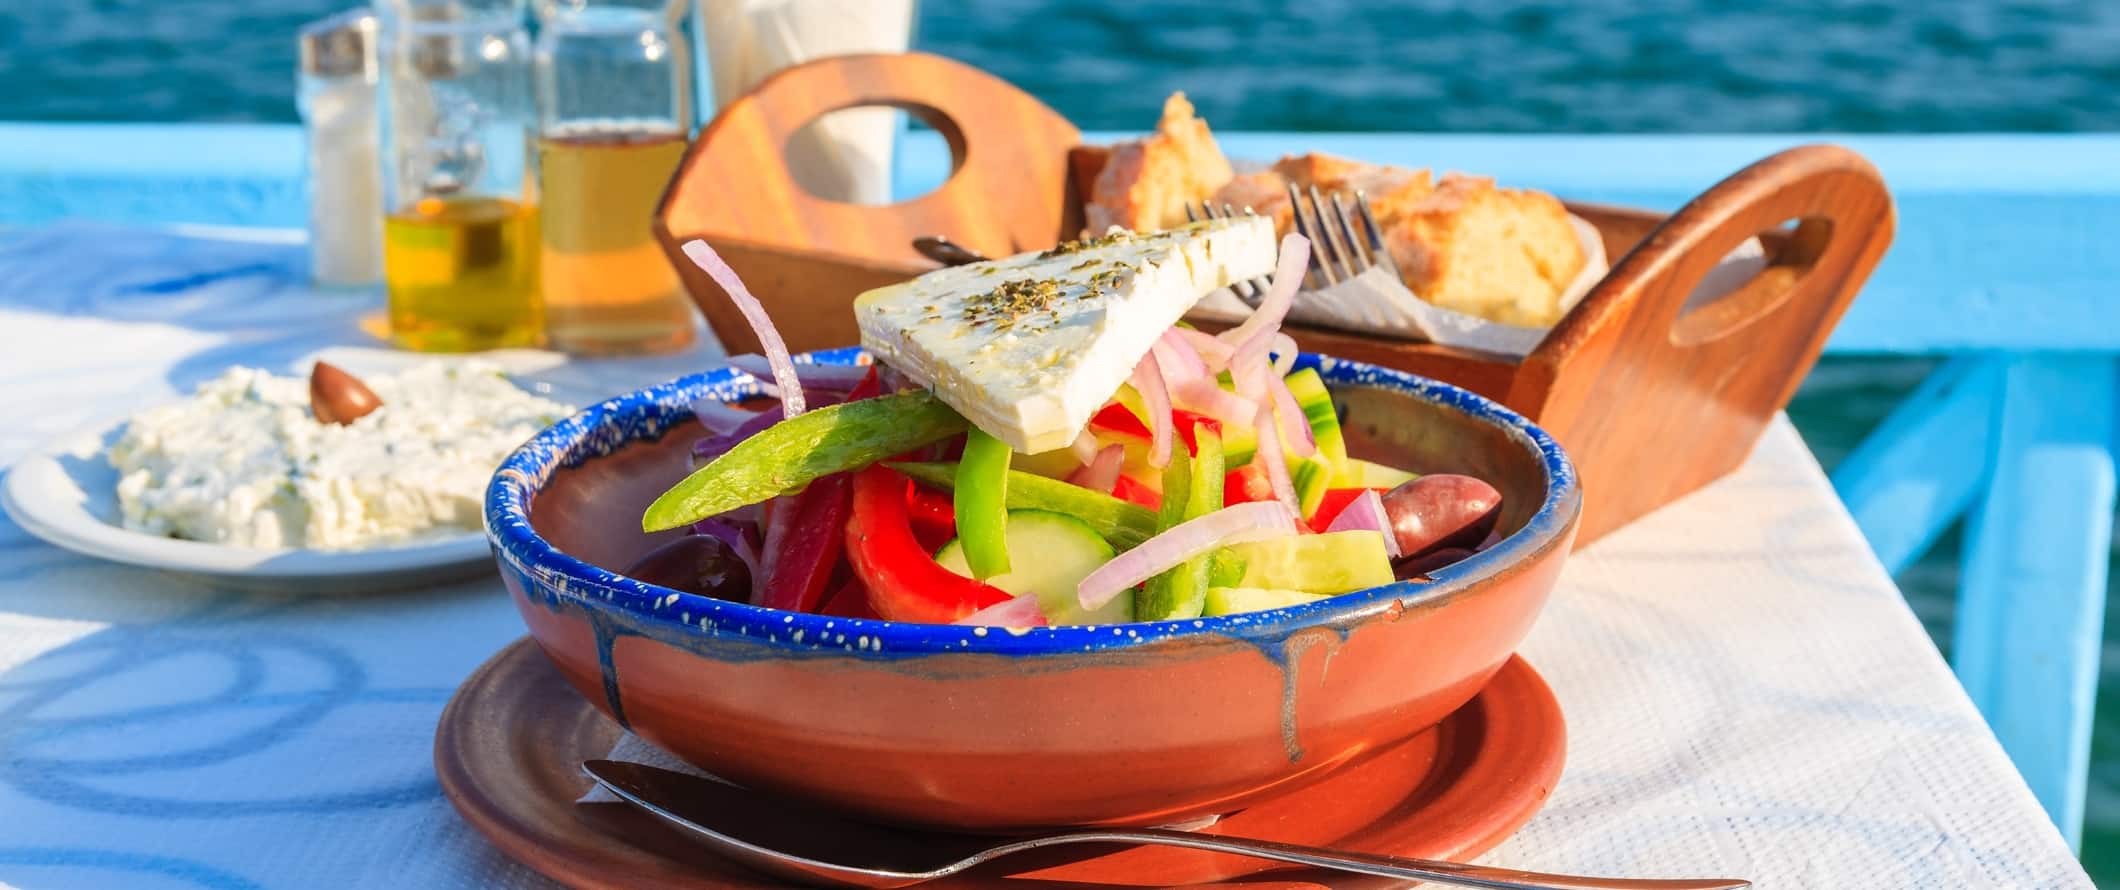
{"x":1147,"y":182}
{"x":1460,"y":242}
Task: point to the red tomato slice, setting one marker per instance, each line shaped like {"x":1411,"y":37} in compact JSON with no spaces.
{"x":934,"y":517}
{"x":904,"y":582}
{"x":1246,"y":484}
{"x":1129,"y":490}
{"x":1334,"y":501}
{"x":1114,"y":419}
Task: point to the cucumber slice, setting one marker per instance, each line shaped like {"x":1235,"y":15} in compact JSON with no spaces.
{"x":1177,"y":592}
{"x":1316,"y":401}
{"x":1312,"y":476}
{"x":1234,"y":600}
{"x":1359,"y":473}
{"x":1334,"y":562}
{"x":1049,"y":555}
{"x":1239,"y":442}
{"x":1225,"y":569}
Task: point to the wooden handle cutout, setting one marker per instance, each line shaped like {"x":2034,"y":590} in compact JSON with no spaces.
{"x":1632,"y":371}
{"x":817,"y":183}
{"x":1796,"y":250}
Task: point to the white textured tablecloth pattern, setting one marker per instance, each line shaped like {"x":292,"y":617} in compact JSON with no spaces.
{"x":1747,"y":693}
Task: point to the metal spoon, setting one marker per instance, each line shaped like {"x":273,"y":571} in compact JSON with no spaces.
{"x":945,"y":251}
{"x":789,"y":840}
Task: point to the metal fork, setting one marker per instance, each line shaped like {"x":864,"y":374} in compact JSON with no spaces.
{"x":1345,"y":240}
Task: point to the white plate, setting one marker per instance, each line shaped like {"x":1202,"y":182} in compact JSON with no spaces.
{"x":66,"y":493}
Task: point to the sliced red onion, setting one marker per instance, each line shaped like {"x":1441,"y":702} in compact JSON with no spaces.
{"x":1366,"y":513}
{"x":1281,"y":294}
{"x":754,"y":312}
{"x":777,"y":513}
{"x":712,"y":447}
{"x":1148,"y":380}
{"x":1284,"y":353}
{"x":1084,"y":446}
{"x":1016,"y":611}
{"x":1284,"y":488}
{"x":1211,"y":349}
{"x":842,"y":378}
{"x":1202,"y":395}
{"x":1101,"y":474}
{"x":1255,"y":521}
{"x":1295,"y":425}
{"x":1178,"y":358}
{"x":741,"y":541}
{"x":721,"y":418}
{"x":1242,"y":364}
{"x":1257,"y":381}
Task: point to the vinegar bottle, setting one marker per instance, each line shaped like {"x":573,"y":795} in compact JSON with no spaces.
{"x":614,"y":112}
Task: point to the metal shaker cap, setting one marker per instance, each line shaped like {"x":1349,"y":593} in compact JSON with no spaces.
{"x":341,"y":45}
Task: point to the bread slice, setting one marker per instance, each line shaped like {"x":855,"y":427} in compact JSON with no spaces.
{"x":1501,"y":254}
{"x":1264,"y":192}
{"x":1392,"y":191}
{"x":1146,"y":183}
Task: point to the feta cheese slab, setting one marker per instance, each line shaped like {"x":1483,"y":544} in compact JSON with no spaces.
{"x":1028,"y":347}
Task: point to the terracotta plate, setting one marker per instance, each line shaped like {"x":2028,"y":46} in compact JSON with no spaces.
{"x":509,"y":748}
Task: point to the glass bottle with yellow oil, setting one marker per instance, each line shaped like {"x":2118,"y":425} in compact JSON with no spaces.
{"x":614,"y":113}
{"x":460,"y":231}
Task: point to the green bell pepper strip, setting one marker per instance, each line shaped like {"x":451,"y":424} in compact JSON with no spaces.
{"x":1125,"y":525}
{"x":981,"y":501}
{"x":794,"y":452}
{"x":1181,"y":591}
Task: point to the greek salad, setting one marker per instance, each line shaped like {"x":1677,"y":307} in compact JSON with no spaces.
{"x":1043,"y":441}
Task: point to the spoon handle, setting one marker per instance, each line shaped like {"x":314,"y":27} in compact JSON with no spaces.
{"x":1455,"y":874}
{"x":945,"y":251}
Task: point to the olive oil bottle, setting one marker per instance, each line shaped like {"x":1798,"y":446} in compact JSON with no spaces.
{"x":460,"y":221}
{"x":462,"y":274}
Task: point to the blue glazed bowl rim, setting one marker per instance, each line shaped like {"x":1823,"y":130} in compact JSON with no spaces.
{"x":663,"y":406}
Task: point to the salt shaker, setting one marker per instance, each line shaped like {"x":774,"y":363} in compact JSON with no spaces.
{"x":337,"y":98}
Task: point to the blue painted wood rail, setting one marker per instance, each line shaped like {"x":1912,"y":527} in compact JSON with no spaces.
{"x":2003,"y":263}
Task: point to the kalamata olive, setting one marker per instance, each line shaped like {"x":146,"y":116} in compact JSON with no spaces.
{"x":338,"y":397}
{"x":700,"y":564}
{"x":1443,"y":510}
{"x":1420,"y":566}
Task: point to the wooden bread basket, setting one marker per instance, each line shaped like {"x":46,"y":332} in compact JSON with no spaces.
{"x":1652,"y":398}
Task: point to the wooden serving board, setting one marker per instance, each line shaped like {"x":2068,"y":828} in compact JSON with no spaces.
{"x":1652,"y":398}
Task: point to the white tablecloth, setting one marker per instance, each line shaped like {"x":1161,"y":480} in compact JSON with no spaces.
{"x":1747,"y":693}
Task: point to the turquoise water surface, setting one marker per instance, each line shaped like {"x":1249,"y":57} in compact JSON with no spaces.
{"x":1500,"y":66}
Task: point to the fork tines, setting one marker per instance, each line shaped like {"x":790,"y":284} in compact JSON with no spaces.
{"x":1249,"y":291}
{"x":1345,"y":239}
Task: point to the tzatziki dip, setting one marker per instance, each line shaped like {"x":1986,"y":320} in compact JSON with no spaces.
{"x":244,"y":462}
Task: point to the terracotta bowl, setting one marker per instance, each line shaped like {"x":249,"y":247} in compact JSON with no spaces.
{"x":987,"y":729}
